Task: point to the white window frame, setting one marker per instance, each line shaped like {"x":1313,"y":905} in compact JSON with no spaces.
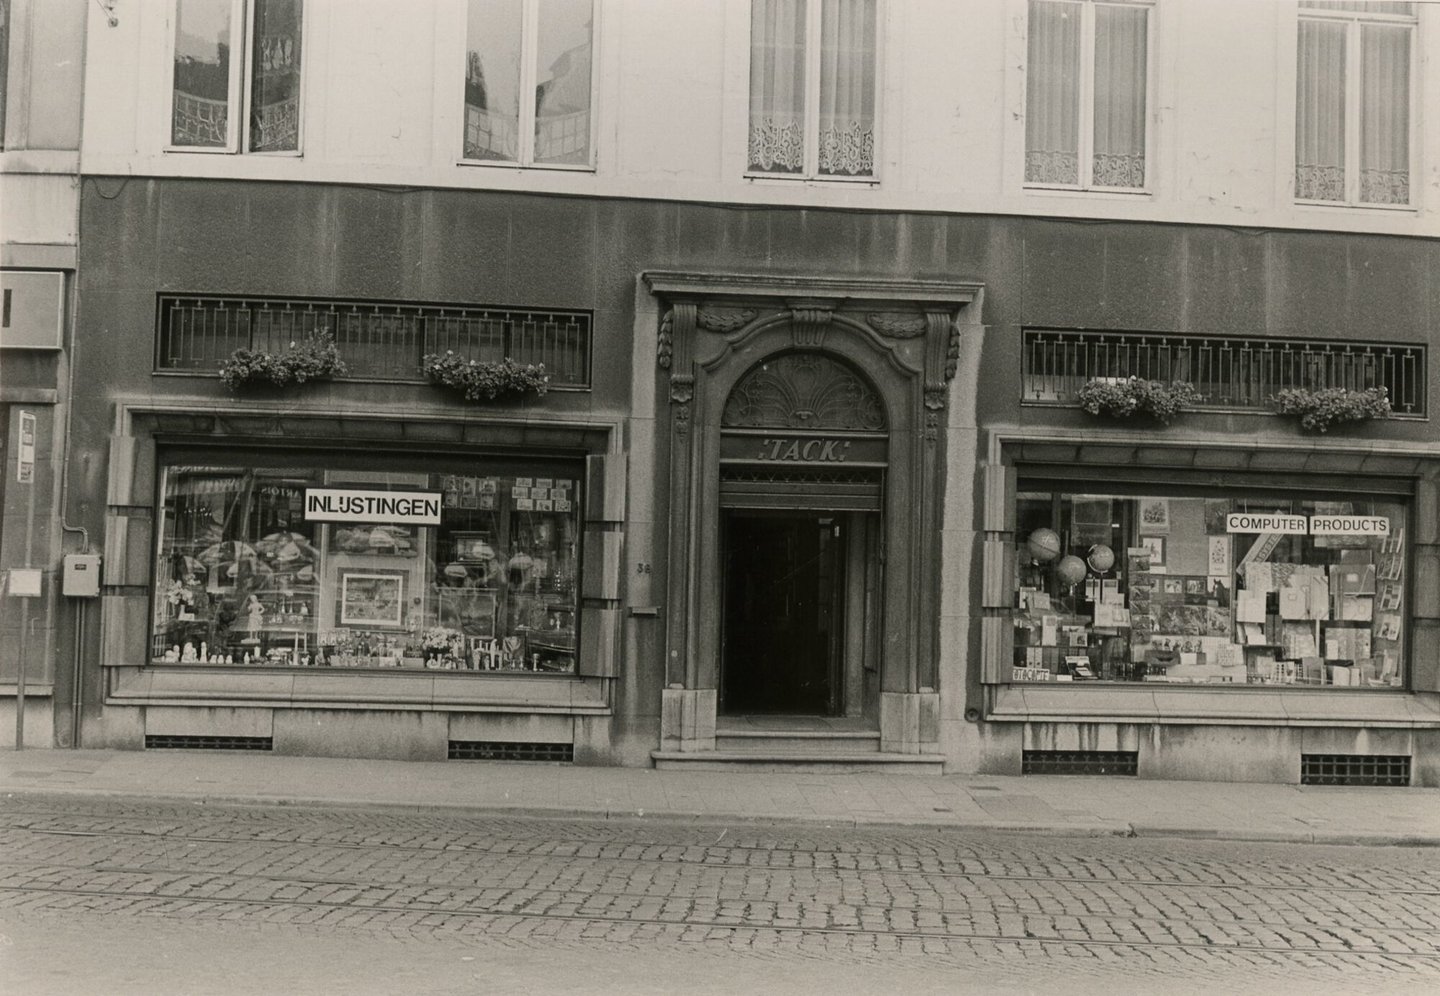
{"x":813,"y":35}
{"x":529,"y":57}
{"x":1354,"y":19}
{"x":1085,"y":144}
{"x":239,"y":89}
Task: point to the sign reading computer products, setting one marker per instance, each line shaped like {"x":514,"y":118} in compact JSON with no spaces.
{"x":418,"y":508}
{"x":1314,"y":525}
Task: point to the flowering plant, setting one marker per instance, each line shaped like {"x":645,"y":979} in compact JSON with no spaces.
{"x":1318,"y":410}
{"x":484,"y":380}
{"x":439,"y":639}
{"x":176,"y":594}
{"x":314,"y":358}
{"x":1136,"y":396}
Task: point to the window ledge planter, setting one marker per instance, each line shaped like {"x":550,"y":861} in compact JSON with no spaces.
{"x":485,"y":380}
{"x":316,"y":358}
{"x":1134,"y":397}
{"x":1321,"y":410}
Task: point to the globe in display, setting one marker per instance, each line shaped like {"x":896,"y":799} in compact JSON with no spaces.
{"x":1044,"y":545}
{"x":1101,"y":558}
{"x":1070,"y":570}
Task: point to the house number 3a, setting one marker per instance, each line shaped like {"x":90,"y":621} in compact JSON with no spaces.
{"x":642,"y":568}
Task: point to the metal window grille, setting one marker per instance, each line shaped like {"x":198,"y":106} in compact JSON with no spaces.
{"x":1079,"y":762}
{"x":186,"y":742}
{"x":378,"y":341}
{"x":1354,"y":769}
{"x":495,"y":750}
{"x":1233,"y":373}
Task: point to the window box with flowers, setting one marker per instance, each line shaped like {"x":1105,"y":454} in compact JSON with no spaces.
{"x":1134,"y":397}
{"x":485,"y":380}
{"x":314,"y":358}
{"x":1322,"y":410}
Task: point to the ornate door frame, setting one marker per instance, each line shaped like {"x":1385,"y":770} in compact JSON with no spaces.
{"x":905,"y":336}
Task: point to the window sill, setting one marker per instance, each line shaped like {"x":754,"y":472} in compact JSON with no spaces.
{"x":200,"y":151}
{"x":1047,"y":189}
{"x":526,"y":167}
{"x":868,"y":181}
{"x":1357,"y":206}
{"x":1246,"y":705}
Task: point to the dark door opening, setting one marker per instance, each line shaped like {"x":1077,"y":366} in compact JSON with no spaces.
{"x":783,"y":628}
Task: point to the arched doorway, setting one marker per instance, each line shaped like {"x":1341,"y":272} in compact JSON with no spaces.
{"x":803,"y":447}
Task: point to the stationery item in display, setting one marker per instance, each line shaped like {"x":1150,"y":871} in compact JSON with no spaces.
{"x":1297,"y":639}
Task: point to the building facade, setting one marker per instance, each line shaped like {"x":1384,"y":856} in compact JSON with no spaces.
{"x":810,"y":484}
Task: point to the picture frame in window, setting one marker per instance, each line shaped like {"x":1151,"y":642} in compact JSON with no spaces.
{"x":1153,"y":515}
{"x":372,"y":598}
{"x":1154,"y":546}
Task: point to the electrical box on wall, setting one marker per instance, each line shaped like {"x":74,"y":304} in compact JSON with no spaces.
{"x":80,"y":577}
{"x":32,"y":309}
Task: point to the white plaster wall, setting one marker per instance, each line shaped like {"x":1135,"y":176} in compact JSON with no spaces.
{"x":383,"y":105}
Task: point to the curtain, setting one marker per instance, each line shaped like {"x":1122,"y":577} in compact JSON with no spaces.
{"x":1120,"y":60}
{"x":562,"y":82}
{"x":777,"y":86}
{"x":1052,"y":93}
{"x":847,"y":88}
{"x":1320,"y":112}
{"x":1384,"y":114}
{"x":492,"y":80}
{"x":275,"y":77}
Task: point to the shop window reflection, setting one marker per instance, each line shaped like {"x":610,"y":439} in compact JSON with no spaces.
{"x":1214,"y":591}
{"x":246,"y":577}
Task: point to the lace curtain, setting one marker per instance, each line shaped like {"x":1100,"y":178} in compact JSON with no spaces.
{"x":1052,"y":94}
{"x":778,"y":77}
{"x":777,"y":86}
{"x":1320,"y":112}
{"x":275,"y":76}
{"x":1384,"y":114}
{"x":1055,"y":88}
{"x":492,"y":80}
{"x":1120,"y":56}
{"x":1384,"y":105}
{"x":847,"y":88}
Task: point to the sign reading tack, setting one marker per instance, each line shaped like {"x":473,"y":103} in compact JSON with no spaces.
{"x":417,"y":508}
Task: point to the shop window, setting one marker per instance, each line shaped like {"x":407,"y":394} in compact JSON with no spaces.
{"x":1085,"y":93}
{"x":471,"y":569}
{"x":812,"y":88}
{"x":236,"y":59}
{"x":519,"y":47}
{"x":1352,"y":102}
{"x":1220,"y":590}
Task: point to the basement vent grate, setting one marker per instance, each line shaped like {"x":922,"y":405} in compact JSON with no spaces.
{"x":1354,"y":769}
{"x":162,"y":742}
{"x":1079,"y":762}
{"x":495,"y":750}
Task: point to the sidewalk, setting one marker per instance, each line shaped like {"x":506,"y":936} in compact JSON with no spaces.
{"x":1046,"y":804}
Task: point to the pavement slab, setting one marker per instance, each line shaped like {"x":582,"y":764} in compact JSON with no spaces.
{"x":1085,"y":805}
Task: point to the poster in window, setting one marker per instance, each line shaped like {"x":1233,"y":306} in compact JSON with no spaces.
{"x":372,"y":599}
{"x":1154,"y":546}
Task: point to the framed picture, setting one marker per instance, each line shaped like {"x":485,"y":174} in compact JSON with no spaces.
{"x":1155,"y":547}
{"x":372,"y":599}
{"x":1154,"y":514}
{"x":470,"y":611}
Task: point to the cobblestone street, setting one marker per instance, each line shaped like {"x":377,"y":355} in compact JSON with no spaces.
{"x":330,"y":900}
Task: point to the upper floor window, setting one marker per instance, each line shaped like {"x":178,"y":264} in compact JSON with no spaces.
{"x":515,"y":47}
{"x":234,"y":60}
{"x":812,"y":88}
{"x":1085,"y":99}
{"x":1352,"y":102}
